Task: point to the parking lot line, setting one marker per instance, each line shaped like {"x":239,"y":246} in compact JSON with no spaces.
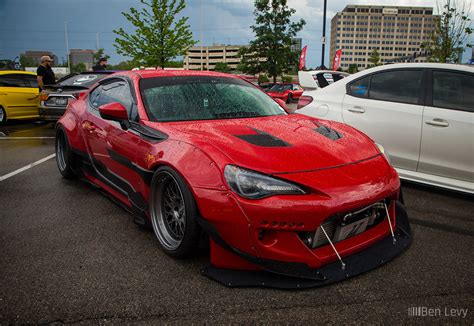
{"x":29,"y":166}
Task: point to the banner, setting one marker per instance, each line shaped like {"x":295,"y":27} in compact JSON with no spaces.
{"x":337,"y":60}
{"x":303,"y":58}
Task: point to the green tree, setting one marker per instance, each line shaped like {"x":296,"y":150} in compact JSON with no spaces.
{"x":452,"y":29}
{"x":100,"y":54}
{"x":270,"y":52}
{"x":27,"y":61}
{"x":158,"y":36}
{"x":374,"y":57}
{"x":222,"y":67}
{"x":286,"y":79}
{"x":80,"y":67}
{"x":353,"y":68}
{"x":262,"y":78}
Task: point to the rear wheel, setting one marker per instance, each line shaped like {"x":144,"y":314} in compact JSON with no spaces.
{"x":289,"y":99}
{"x":63,"y":155}
{"x":174,"y":214}
{"x":3,"y":116}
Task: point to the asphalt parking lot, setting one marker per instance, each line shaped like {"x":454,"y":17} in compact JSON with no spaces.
{"x":70,"y":255}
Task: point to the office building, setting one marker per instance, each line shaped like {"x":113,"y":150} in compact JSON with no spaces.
{"x":35,"y":57}
{"x":396,"y":32}
{"x":82,"y":56}
{"x":211,"y":55}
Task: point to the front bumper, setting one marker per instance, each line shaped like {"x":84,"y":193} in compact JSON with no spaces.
{"x":287,"y":275}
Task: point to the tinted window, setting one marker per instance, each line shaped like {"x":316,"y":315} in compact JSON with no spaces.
{"x":360,"y":88}
{"x":204,"y":98}
{"x":453,"y":90}
{"x":115,"y":92}
{"x":84,"y":80}
{"x":396,"y":86}
{"x":32,"y":81}
{"x":14,"y":80}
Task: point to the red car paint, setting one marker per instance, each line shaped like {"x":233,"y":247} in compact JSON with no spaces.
{"x":294,"y":94}
{"x":340,"y":176}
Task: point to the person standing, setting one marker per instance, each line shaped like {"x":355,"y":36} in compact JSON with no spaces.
{"x":45,"y":74}
{"x":101,"y":65}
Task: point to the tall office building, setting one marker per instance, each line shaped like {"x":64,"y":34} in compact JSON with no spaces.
{"x":396,"y":32}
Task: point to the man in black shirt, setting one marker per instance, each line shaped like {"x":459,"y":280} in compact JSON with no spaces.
{"x":44,"y":72}
{"x":101,"y":65}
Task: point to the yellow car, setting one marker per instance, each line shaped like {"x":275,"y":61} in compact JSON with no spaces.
{"x":18,"y":95}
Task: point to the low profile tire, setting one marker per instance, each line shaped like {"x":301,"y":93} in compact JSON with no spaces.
{"x":174,"y":214}
{"x":63,"y":155}
{"x":289,"y":99}
{"x":3,"y":116}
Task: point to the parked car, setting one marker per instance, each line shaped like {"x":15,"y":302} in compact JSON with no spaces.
{"x":55,"y":98}
{"x":18,"y":95}
{"x":285,"y":91}
{"x":316,"y":79}
{"x":193,"y":151}
{"x":423,"y":113}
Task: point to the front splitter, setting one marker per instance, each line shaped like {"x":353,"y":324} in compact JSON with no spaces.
{"x":366,"y":260}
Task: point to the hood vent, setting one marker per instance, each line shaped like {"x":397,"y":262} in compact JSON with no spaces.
{"x":263,"y":139}
{"x":328,"y":132}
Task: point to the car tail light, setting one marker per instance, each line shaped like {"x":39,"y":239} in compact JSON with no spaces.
{"x":43,"y":96}
{"x":78,"y":94}
{"x":303,"y":101}
{"x":57,"y":101}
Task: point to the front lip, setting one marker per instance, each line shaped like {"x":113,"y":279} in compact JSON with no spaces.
{"x":277,"y":274}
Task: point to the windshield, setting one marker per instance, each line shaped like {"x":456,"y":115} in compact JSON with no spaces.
{"x":280,"y":88}
{"x":83,"y":80}
{"x":204,"y":98}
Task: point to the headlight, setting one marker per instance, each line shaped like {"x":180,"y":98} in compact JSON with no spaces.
{"x":383,"y":151}
{"x":253,"y":185}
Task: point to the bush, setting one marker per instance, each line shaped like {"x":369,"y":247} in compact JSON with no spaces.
{"x":286,"y":79}
{"x":263,"y":79}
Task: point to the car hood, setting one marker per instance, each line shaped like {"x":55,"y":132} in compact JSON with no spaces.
{"x":277,"y":144}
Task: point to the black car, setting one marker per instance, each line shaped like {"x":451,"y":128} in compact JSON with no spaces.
{"x":55,"y":98}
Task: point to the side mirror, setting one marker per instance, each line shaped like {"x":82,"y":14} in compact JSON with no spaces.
{"x":283,"y":106}
{"x":113,"y":111}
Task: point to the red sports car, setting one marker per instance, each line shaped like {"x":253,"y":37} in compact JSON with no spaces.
{"x":284,"y":91}
{"x":287,"y":200}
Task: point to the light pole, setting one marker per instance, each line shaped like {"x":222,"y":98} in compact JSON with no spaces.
{"x":323,"y":39}
{"x":200,"y":29}
{"x":67,"y":47}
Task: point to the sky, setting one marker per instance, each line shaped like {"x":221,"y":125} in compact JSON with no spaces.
{"x":40,"y":24}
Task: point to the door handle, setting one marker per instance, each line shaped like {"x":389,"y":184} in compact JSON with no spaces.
{"x":356,"y":109}
{"x":437,"y":122}
{"x":33,"y":98}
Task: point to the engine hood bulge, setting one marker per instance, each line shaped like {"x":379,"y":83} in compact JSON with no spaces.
{"x":277,"y":144}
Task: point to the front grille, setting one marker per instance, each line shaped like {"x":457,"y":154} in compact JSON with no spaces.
{"x":345,"y":225}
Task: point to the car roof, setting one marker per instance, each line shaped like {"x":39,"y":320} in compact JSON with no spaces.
{"x":176,"y":73}
{"x":425,"y":65}
{"x":21,"y":72}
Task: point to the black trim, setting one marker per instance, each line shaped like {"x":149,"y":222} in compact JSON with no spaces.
{"x":147,"y":133}
{"x":263,"y":139}
{"x":146,"y":175}
{"x":328,"y":132}
{"x":97,"y":169}
{"x":368,"y":259}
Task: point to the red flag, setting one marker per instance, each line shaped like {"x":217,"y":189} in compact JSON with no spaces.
{"x":303,"y":57}
{"x":337,"y":59}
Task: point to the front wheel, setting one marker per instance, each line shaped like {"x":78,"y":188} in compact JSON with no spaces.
{"x":63,"y":155}
{"x":3,"y":116}
{"x":174,"y":214}
{"x":289,"y":99}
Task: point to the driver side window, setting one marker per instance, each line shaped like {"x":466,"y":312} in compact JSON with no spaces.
{"x":116,"y":91}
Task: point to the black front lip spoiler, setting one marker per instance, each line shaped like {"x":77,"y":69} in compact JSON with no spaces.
{"x":299,"y":276}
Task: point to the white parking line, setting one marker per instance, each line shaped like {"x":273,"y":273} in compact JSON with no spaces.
{"x":15,"y":138}
{"x":29,"y":166}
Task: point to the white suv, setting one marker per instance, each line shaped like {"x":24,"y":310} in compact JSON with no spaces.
{"x":423,"y":113}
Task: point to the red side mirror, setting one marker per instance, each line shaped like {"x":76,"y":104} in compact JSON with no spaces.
{"x":113,"y":111}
